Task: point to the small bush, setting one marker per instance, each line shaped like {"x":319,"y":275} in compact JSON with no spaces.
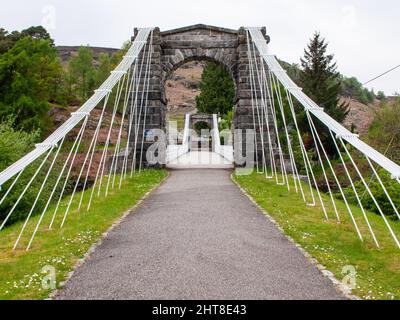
{"x":14,"y":145}
{"x":392,"y":186}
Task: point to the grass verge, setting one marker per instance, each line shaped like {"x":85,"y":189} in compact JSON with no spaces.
{"x":21,"y":271}
{"x":334,"y":245}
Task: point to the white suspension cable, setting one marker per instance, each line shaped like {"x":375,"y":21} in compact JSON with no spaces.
{"x":11,"y":187}
{"x":78,"y":141}
{"x":306,"y":160}
{"x":370,"y":193}
{"x":75,"y":119}
{"x":146,"y":102}
{"x":25,"y":190}
{"x":101,"y":167}
{"x":136,"y":113}
{"x":313,"y":134}
{"x":92,"y":150}
{"x":383,"y":187}
{"x":254,"y":101}
{"x":273,"y":110}
{"x":339,"y":185}
{"x":318,"y":112}
{"x":37,"y":198}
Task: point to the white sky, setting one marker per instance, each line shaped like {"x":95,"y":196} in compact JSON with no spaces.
{"x":363,"y":34}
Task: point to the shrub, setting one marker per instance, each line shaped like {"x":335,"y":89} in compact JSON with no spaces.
{"x":15,"y":144}
{"x":392,"y":186}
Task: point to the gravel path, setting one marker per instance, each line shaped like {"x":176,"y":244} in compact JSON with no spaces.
{"x":198,"y":237}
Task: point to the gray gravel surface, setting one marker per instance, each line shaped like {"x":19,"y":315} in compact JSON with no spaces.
{"x":198,"y":237}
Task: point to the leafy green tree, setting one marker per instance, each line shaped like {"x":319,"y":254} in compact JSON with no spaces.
{"x":352,"y":88}
{"x":30,"y":75}
{"x":37,"y":33}
{"x":5,"y":42}
{"x":293,"y":71}
{"x":321,"y":82}
{"x":82,"y":73}
{"x":217,"y":90}
{"x":119,"y":55}
{"x":8,"y":40}
{"x":381,"y":96}
{"x":384,"y":133}
{"x":104,"y":69}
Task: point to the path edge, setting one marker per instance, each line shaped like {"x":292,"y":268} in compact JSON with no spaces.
{"x":53,"y":295}
{"x":338,"y":285}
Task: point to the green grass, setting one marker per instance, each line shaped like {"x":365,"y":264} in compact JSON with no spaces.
{"x":21,"y":272}
{"x":334,"y":245}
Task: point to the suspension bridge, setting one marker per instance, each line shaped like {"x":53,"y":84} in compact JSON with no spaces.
{"x":265,"y":135}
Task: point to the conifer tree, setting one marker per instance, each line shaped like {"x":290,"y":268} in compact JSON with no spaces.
{"x":322,"y":83}
{"x":217,"y":90}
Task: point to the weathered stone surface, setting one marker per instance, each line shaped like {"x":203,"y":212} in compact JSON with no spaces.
{"x":173,"y":48}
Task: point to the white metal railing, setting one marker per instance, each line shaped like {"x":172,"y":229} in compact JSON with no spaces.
{"x":176,"y":151}
{"x":224,"y":151}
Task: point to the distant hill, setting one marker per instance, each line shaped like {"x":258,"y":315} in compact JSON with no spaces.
{"x":66,"y":52}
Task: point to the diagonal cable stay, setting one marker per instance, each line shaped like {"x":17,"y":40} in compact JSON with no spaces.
{"x":275,"y":98}
{"x":90,"y":149}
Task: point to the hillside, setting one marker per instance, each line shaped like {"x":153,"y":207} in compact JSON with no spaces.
{"x":360,"y":116}
{"x":66,"y":52}
{"x":181,"y":91}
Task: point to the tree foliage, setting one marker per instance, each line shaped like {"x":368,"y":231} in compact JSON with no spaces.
{"x":353,"y":88}
{"x":374,"y":185}
{"x":8,"y":40}
{"x":30,"y":78}
{"x":104,"y":69}
{"x":82,"y":73}
{"x":384,"y":133}
{"x":14,"y":144}
{"x":217,"y":90}
{"x":321,"y":82}
{"x":320,"y":79}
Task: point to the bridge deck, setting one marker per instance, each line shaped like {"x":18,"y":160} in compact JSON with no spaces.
{"x":198,"y":237}
{"x":200,"y":160}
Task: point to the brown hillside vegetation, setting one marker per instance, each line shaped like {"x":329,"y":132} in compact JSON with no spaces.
{"x":181,"y":91}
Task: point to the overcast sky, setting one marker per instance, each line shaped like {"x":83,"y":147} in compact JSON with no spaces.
{"x":363,"y":34}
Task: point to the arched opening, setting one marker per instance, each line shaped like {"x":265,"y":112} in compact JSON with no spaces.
{"x":200,"y":97}
{"x":200,"y":86}
{"x":181,"y":90}
{"x":201,"y":126}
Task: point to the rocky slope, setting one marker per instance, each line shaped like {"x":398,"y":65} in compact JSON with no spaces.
{"x":66,"y":52}
{"x":181,"y":91}
{"x":360,"y":116}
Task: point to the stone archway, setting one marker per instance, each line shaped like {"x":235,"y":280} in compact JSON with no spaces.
{"x":201,"y":118}
{"x":176,"y":47}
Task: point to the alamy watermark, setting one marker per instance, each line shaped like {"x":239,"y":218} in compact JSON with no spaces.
{"x":49,"y":17}
{"x":225,"y":147}
{"x":49,"y":280}
{"x":350,"y":277}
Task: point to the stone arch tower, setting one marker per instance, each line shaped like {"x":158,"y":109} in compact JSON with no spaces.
{"x":175,"y":47}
